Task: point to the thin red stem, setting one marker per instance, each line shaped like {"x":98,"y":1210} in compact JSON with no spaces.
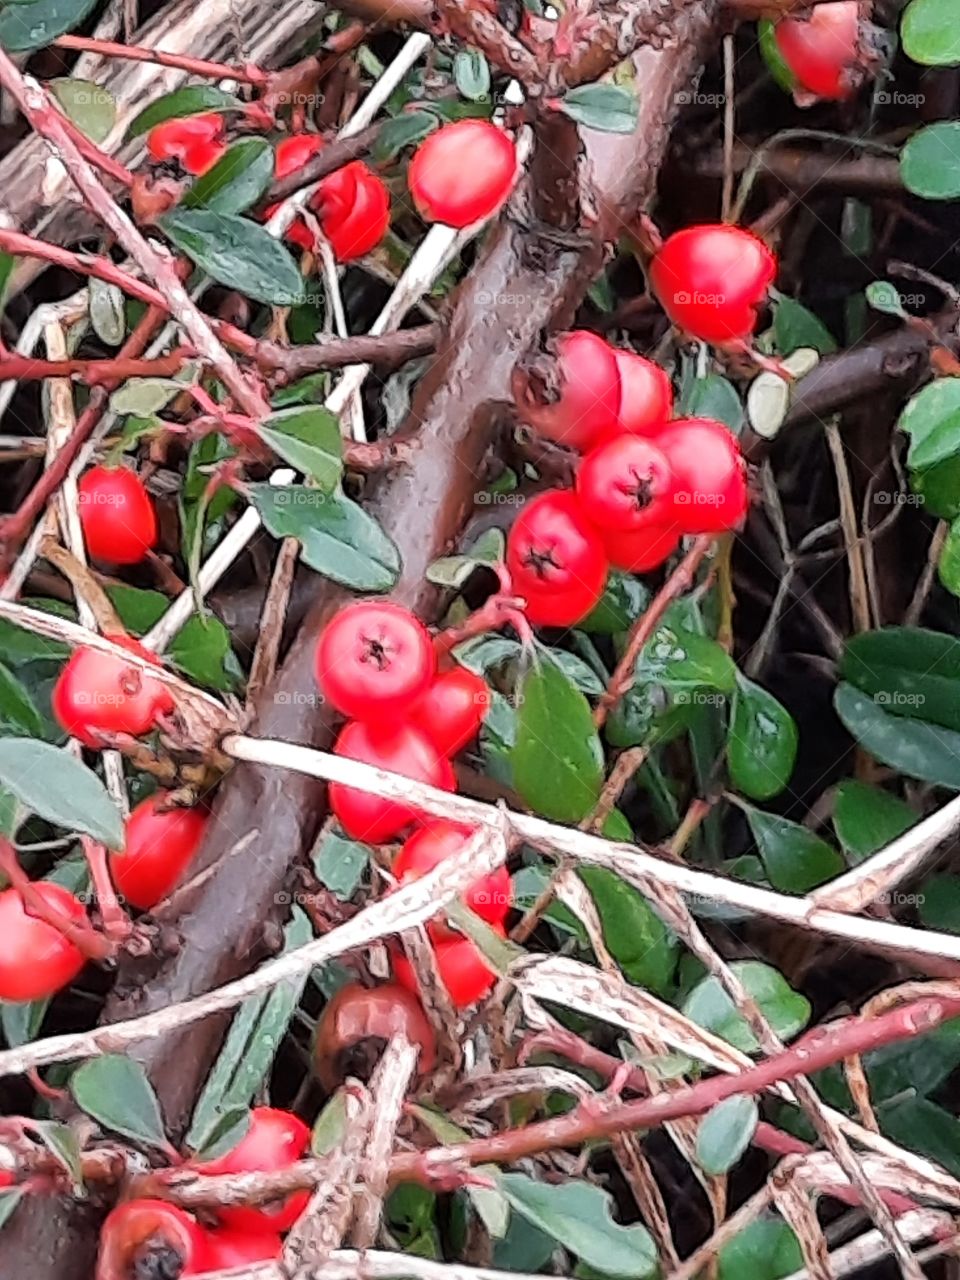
{"x":248,"y":74}
{"x":116,"y":923}
{"x":85,"y":938}
{"x":93,"y":372}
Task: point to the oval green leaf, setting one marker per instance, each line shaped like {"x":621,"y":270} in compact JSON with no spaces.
{"x":56,"y":786}
{"x":930,"y":162}
{"x":116,"y":1092}
{"x":924,"y":751}
{"x":237,"y":181}
{"x":866,"y":818}
{"x":25,"y":27}
{"x":761,"y":741}
{"x":189,"y":101}
{"x":308,"y":437}
{"x":932,"y":421}
{"x":709,"y":1006}
{"x":608,"y":107}
{"x":471,"y":72}
{"x":931,"y":33}
{"x":91,"y":107}
{"x":794,"y":858}
{"x":725,"y":1132}
{"x":948,"y":566}
{"x":237,"y":253}
{"x":908,"y":671}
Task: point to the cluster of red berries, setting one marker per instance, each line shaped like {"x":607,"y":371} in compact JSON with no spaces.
{"x":376,"y":663}
{"x":139,"y":1234}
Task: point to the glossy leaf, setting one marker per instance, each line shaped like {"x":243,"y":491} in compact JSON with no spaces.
{"x":18,"y":711}
{"x":866,"y":818}
{"x":795,"y":859}
{"x":924,"y":751}
{"x":309,"y":439}
{"x":930,"y":32}
{"x":56,"y":786}
{"x":930,"y":162}
{"x":405,"y":130}
{"x":710,"y":1007}
{"x":932,"y":421}
{"x":115,"y":1090}
{"x":908,"y":671}
{"x":765,"y":1250}
{"x":25,"y":27}
{"x":623,"y":600}
{"x":608,"y":107}
{"x":237,"y":181}
{"x":725,"y":1132}
{"x":795,"y":325}
{"x":948,"y":566}
{"x":237,"y":253}
{"x":644,"y":948}
{"x":940,"y":903}
{"x":192,"y":100}
{"x":761,"y":741}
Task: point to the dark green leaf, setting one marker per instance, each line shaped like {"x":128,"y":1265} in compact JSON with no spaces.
{"x":237,"y":253}
{"x":90,"y":106}
{"x":337,"y":537}
{"x":683,"y":660}
{"x":201,"y":650}
{"x":578,"y":1215}
{"x":930,"y":32}
{"x":795,"y":326}
{"x":761,"y":742}
{"x":713,"y":396}
{"x":765,"y":1250}
{"x":227,"y":1129}
{"x":866,"y":818}
{"x":19,"y":646}
{"x":937,"y":488}
{"x":340,"y":863}
{"x":24,"y":27}
{"x":908,"y":671}
{"x":725,"y":1132}
{"x":558,"y":760}
{"x":608,"y":107}
{"x":55,"y":785}
{"x":920,"y":1125}
{"x":919,"y":750}
{"x":308,"y":438}
{"x":940,"y":903}
{"x":930,"y":162}
{"x":237,"y":181}
{"x":189,"y":101}
{"x":8,"y":1202}
{"x":403,"y":131}
{"x":642,"y":945}
{"x":623,"y":600}
{"x":932,"y":421}
{"x":948,"y":566}
{"x":471,"y":73}
{"x":116,"y":1092}
{"x":709,"y":1006}
{"x":795,"y":859}
{"x":17,"y":709}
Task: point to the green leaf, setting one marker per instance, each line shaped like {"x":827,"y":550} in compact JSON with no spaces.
{"x":932,"y":421}
{"x":608,"y":107}
{"x":19,"y":646}
{"x":866,"y":818}
{"x":642,"y":945}
{"x":709,"y":1006}
{"x":795,"y":859}
{"x":63,"y":1144}
{"x":885,"y":298}
{"x":116,"y":1092}
{"x":761,"y":741}
{"x":714,"y":397}
{"x":930,"y":33}
{"x":922,"y":1126}
{"x":919,"y":750}
{"x":948,"y":566}
{"x":765,"y":1250}
{"x":309,"y":439}
{"x":930,"y":162}
{"x":237,"y":181}
{"x":90,"y":106}
{"x":937,"y":488}
{"x":908,"y":671}
{"x":56,"y":786}
{"x":725,"y":1132}
{"x":107,"y":313}
{"x":454,"y":572}
{"x":21,"y":1022}
{"x":144,"y":397}
{"x":471,"y":73}
{"x":795,"y":325}
{"x":772,"y":56}
{"x":340,"y":863}
{"x":623,"y":600}
{"x":578,"y":1215}
{"x":337,"y":537}
{"x":25,"y":27}
{"x":18,"y":711}
{"x":9,"y":1200}
{"x":939,"y":904}
{"x":237,"y":253}
{"x":489,"y":1202}
{"x":201,"y":649}
{"x":682,"y":660}
{"x":558,"y":760}
{"x":189,"y":101}
{"x":403,"y":131}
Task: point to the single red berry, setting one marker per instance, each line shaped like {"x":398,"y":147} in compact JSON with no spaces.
{"x":98,"y":693}
{"x":151,"y":1238}
{"x":711,"y":279}
{"x":36,"y":959}
{"x":461,"y":966}
{"x":452,"y":709}
{"x":556,"y":559}
{"x":374,"y":659}
{"x":573,"y":399}
{"x":292,"y":153}
{"x":490,"y":896}
{"x":399,"y":748}
{"x":463,"y":172}
{"x":822,"y":49}
{"x":626,"y":484}
{"x":159,"y":846}
{"x":196,"y":142}
{"x":642,"y":551}
{"x":353,"y":206}
{"x":116,"y":514}
{"x":7,"y":1179}
{"x":646,"y":394}
{"x":710,"y":484}
{"x":358,"y":1021}
{"x":228,"y":1248}
{"x":275,"y":1140}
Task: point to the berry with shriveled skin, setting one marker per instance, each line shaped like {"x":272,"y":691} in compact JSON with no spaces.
{"x":572,"y":394}
{"x":358,"y":1022}
{"x":151,"y":1238}
{"x":194,"y":142}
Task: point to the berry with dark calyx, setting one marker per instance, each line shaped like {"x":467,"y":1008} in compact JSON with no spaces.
{"x":399,"y":748}
{"x":463,"y":172}
{"x":452,"y":709}
{"x":710,"y":483}
{"x":461,"y":967}
{"x":642,"y":551}
{"x":160,"y":843}
{"x":490,"y":897}
{"x":646,"y":394}
{"x":571,"y":394}
{"x":353,"y":206}
{"x":116,"y":514}
{"x":822,"y":51}
{"x":374,"y":659}
{"x":151,"y":1238}
{"x":229,"y":1248}
{"x":357,"y":1024}
{"x":556,"y":560}
{"x":194,"y":142}
{"x":626,"y":484}
{"x":711,"y":279}
{"x":98,"y":693}
{"x":36,"y":959}
{"x":274,"y":1141}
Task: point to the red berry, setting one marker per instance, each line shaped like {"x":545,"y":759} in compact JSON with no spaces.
{"x":646,"y":394}
{"x":490,"y":897}
{"x":710,"y":485}
{"x":275,"y":1140}
{"x":462,"y":173}
{"x":556,"y":560}
{"x":462,"y":969}
{"x":227,"y":1248}
{"x":98,"y":693}
{"x":354,"y":210}
{"x":117,"y":515}
{"x":399,"y":748}
{"x":151,"y":1238}
{"x":711,"y":279}
{"x":36,"y":960}
{"x":357,"y":1015}
{"x":452,"y":709}
{"x":626,"y":484}
{"x":293,"y":153}
{"x":195,"y":141}
{"x":159,"y":846}
{"x":374,"y":659}
{"x":822,"y":49}
{"x":7,"y":1179}
{"x":576,"y":402}
{"x":641,"y":551}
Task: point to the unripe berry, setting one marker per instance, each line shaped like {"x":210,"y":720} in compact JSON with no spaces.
{"x":463,"y":172}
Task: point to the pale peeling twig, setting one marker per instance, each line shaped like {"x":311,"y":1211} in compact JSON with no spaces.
{"x":797,"y":1211}
{"x":859,"y":594}
{"x":388,"y":1088}
{"x":871,"y":1247}
{"x":372,"y":1264}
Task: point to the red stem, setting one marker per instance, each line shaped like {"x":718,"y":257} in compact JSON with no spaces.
{"x":93,"y":372}
{"x":116,"y":923}
{"x":86,"y":939}
{"x":100,"y":159}
{"x":249,"y":74}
